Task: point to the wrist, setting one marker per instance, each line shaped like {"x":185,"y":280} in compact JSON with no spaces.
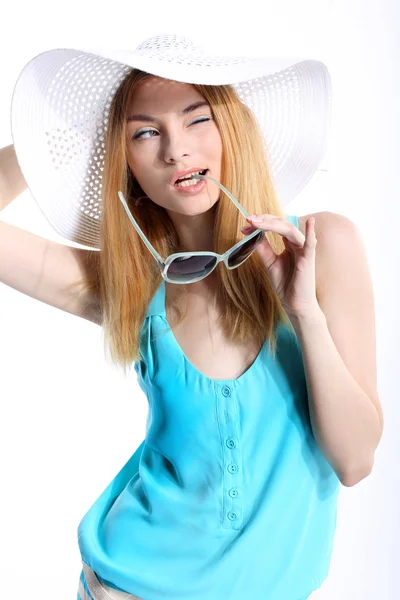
{"x":307,"y":318}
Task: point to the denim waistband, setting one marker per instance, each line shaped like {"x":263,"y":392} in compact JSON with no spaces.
{"x":98,"y":590}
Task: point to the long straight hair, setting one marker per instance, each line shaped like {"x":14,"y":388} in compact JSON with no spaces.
{"x":124,"y":275}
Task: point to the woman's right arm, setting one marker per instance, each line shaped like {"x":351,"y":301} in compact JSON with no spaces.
{"x":12,"y":182}
{"x":36,"y":266}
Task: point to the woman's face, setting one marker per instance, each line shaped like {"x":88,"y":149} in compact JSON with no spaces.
{"x":161,"y":140}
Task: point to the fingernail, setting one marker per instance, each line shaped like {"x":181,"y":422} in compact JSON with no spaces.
{"x":256,"y":219}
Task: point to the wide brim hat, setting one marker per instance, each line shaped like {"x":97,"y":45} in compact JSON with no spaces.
{"x":61,"y":102}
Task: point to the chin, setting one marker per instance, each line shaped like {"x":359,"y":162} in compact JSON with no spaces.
{"x":194,"y":209}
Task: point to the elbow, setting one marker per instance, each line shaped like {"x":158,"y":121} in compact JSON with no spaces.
{"x":351,"y":478}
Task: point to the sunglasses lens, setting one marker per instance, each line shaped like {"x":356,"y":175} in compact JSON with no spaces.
{"x":240,"y":254}
{"x":186,"y":269}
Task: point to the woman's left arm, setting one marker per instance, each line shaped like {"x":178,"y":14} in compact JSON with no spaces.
{"x":337,"y":339}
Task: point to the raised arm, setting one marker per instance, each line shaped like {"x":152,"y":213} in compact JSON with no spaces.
{"x":38,"y":267}
{"x":12,"y":182}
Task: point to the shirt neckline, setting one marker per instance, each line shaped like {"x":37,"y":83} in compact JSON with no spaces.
{"x":161,"y":300}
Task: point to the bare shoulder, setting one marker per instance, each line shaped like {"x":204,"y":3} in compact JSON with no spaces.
{"x":329,"y":227}
{"x":326,"y":221}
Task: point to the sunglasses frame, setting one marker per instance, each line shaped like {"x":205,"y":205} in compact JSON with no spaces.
{"x":164,"y":263}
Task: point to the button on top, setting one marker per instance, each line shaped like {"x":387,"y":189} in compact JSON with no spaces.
{"x":232,"y":468}
{"x":226,"y":391}
{"x":230,"y":442}
{"x":233,"y":492}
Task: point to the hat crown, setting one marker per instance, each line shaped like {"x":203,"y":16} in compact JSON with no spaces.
{"x":168,"y":45}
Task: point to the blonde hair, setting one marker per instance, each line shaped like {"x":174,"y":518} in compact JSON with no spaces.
{"x":124,"y":275}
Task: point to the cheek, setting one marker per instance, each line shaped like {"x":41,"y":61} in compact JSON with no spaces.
{"x":144,"y":175}
{"x":138,"y":164}
{"x":216,"y":144}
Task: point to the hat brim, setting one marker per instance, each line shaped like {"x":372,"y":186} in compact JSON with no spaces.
{"x":60,"y":106}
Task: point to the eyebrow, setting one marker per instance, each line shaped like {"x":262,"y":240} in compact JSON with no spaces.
{"x":185,"y":111}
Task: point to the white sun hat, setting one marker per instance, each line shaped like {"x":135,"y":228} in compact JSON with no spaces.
{"x":61,"y":102}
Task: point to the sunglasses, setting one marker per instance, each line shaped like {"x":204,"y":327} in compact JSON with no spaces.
{"x":189,"y":267}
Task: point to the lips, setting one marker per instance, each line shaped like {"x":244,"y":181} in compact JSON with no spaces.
{"x":180,"y":174}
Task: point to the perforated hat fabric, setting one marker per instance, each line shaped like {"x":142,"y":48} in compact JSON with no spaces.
{"x":62,"y":98}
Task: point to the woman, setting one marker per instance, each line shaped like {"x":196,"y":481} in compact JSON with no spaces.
{"x":254,"y":416}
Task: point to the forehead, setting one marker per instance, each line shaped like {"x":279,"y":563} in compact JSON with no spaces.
{"x":156,"y":94}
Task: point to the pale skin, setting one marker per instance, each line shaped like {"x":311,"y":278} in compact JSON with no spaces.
{"x":337,"y":336}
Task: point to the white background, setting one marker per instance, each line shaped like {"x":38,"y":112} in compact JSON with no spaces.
{"x":68,"y":420}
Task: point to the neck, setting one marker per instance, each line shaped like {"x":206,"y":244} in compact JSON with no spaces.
{"x":195,"y":232}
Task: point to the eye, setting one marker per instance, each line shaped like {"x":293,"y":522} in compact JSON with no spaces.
{"x":139,"y":135}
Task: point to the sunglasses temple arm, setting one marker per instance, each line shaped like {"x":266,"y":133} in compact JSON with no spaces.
{"x":154,"y":252}
{"x":227,"y":192}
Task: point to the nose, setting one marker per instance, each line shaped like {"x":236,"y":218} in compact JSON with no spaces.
{"x":175,"y":147}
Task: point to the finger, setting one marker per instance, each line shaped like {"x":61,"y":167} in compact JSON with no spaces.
{"x":248,"y":229}
{"x":311,"y":238}
{"x":278,"y":225}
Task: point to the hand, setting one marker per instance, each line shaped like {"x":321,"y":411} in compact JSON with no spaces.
{"x":297,"y":262}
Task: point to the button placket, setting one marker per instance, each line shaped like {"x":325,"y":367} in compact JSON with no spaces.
{"x":233,"y":492}
{"x":228,"y":422}
{"x":226,"y":391}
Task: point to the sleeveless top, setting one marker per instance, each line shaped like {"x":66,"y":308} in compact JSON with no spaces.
{"x":228,"y":496}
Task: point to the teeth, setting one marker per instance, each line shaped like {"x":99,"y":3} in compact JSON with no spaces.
{"x":189,"y":183}
{"x":188,"y":176}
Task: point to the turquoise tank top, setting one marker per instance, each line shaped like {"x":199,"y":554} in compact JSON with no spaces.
{"x":228,"y":496}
